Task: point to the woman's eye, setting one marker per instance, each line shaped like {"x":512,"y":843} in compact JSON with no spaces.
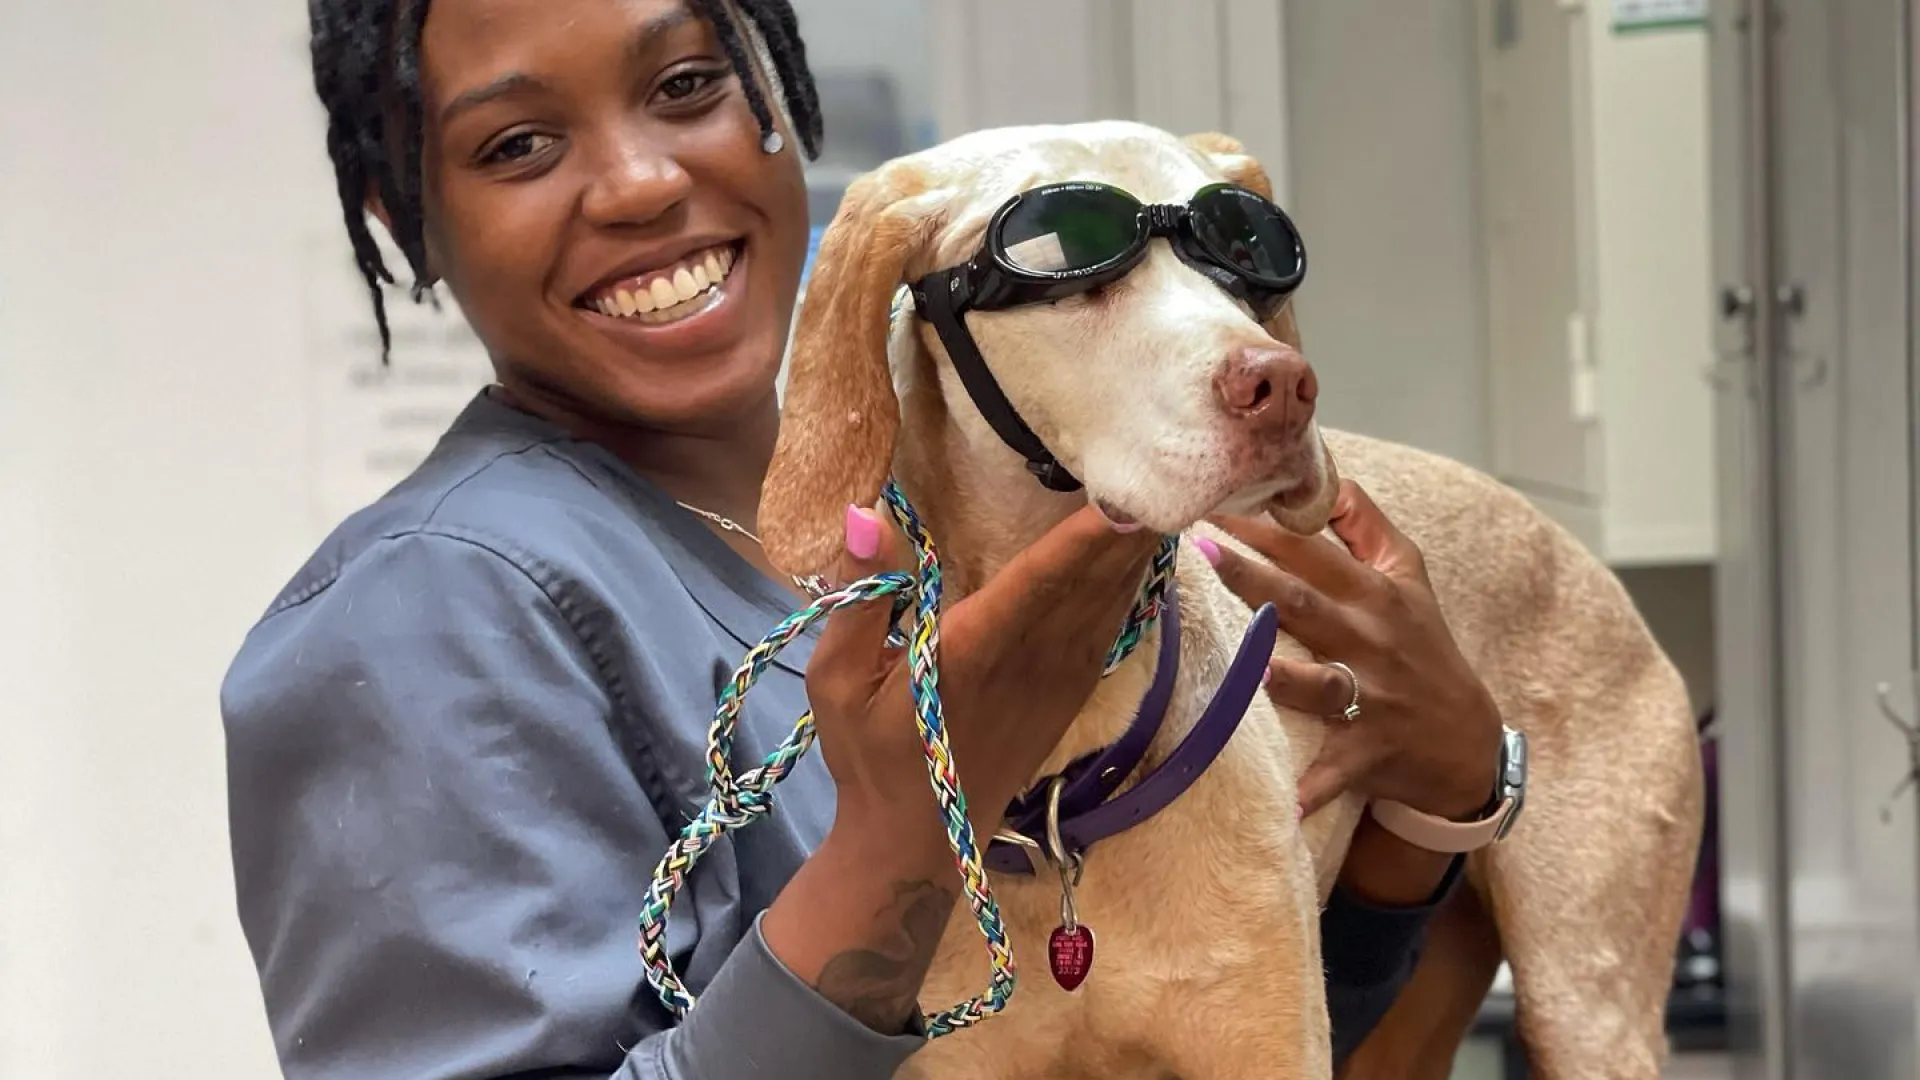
{"x":517,"y":147}
{"x":688,"y":83}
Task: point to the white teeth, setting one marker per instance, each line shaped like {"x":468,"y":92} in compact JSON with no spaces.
{"x":669,"y":295}
{"x":663,"y":294}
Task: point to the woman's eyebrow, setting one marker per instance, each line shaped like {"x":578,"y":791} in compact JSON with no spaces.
{"x":644,"y":39}
{"x":659,"y":26}
{"x":510,"y":83}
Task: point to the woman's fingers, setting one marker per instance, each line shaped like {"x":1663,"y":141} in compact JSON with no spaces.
{"x":1309,"y":615}
{"x":846,"y":663}
{"x":1314,"y":558}
{"x":1325,"y":780}
{"x":1325,"y":691}
{"x":1369,"y":534}
{"x":1069,"y":589}
{"x":1315,"y":689}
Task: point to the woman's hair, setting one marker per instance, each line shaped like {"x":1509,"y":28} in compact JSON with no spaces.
{"x":366,"y":68}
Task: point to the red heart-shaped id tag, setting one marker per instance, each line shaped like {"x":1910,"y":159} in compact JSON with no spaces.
{"x":1070,"y":955}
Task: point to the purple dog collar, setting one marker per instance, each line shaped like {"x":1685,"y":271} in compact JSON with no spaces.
{"x":1089,"y":811}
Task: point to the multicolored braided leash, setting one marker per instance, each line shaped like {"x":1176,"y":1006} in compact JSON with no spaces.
{"x":735,"y":802}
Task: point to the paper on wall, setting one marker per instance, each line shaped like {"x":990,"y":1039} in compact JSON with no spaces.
{"x":1655,"y":14}
{"x":370,"y":425}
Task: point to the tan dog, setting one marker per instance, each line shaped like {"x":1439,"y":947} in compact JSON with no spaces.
{"x":1209,"y":964}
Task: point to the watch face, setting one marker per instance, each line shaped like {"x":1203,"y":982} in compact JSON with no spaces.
{"x":1513,"y":777}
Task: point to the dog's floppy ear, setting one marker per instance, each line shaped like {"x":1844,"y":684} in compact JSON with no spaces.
{"x":840,"y":416}
{"x":1231,"y":158}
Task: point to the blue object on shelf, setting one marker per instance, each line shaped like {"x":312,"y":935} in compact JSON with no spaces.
{"x":813,"y":251}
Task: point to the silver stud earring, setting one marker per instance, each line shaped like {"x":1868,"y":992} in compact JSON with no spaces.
{"x":773,"y":143}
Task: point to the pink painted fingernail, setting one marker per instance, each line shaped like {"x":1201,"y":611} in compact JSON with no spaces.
{"x":1209,"y":550}
{"x":1300,"y":811}
{"x":863,"y":533}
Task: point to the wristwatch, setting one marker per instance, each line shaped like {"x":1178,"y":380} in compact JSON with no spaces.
{"x":1438,"y":834}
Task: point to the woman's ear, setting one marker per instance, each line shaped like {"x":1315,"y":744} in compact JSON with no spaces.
{"x":841,"y":414}
{"x":1228,"y":155}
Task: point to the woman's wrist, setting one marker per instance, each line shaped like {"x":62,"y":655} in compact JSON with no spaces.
{"x":1382,"y":870}
{"x":860,"y":920}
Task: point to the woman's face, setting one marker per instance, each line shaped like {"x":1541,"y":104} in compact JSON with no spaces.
{"x":599,"y":202}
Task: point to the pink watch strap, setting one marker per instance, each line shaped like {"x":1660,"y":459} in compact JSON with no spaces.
{"x":1438,"y":834}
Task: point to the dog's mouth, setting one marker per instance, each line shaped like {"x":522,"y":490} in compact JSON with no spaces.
{"x":1121,"y":521}
{"x":1294,"y":493}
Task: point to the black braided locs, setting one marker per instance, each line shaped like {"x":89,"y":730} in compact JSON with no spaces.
{"x":781,"y":28}
{"x":346,"y":50}
{"x":366,"y":71}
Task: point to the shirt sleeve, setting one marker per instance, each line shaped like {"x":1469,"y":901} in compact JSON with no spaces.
{"x":440,"y":846}
{"x":1370,"y":953}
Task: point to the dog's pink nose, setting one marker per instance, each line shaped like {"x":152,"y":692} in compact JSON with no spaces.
{"x":1269,"y":386}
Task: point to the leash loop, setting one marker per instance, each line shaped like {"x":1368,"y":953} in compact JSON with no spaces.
{"x":734,"y":802}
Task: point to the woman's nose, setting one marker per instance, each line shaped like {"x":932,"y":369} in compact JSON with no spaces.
{"x":634,"y":185}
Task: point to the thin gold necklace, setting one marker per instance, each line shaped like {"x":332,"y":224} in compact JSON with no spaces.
{"x":815,"y":586}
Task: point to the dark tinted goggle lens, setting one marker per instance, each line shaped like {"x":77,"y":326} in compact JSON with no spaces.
{"x":1249,"y":233}
{"x":1068,"y":230}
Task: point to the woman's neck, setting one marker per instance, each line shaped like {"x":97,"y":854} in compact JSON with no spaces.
{"x":720,"y":473}
{"x":719,"y":468}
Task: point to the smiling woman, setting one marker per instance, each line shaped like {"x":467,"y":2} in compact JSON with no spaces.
{"x":466,"y":730}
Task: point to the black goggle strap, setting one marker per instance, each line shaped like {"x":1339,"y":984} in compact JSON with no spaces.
{"x":937,"y":299}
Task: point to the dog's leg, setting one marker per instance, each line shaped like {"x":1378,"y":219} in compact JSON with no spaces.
{"x":1420,"y":1034}
{"x":1249,"y":1024}
{"x":1589,"y":891}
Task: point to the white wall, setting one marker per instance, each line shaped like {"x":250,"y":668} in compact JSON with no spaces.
{"x":1381,"y":109}
{"x":161,"y":162}
{"x":840,"y":36}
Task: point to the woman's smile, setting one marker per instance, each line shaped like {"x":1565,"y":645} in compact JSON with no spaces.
{"x":694,"y":304}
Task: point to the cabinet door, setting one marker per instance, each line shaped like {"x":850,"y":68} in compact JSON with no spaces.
{"x":1533,"y":132}
{"x":1830,"y":916}
{"x":1847,"y":602}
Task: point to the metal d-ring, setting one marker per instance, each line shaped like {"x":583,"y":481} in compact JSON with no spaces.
{"x":1070,"y":864}
{"x":1057,"y":845}
{"x":1028,"y":846}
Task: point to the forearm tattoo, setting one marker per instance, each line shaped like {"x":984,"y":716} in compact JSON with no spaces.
{"x":879,"y":984}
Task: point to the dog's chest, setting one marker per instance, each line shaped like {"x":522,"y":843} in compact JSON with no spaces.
{"x":1209,"y":888}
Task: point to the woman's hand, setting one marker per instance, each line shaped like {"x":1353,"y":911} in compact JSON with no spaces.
{"x":1427,"y":732}
{"x":1018,"y":659}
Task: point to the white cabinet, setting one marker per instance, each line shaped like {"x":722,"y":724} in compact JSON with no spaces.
{"x":1184,"y":65}
{"x":1600,"y":326}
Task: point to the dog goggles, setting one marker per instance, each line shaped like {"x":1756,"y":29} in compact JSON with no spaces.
{"x":1064,"y":240}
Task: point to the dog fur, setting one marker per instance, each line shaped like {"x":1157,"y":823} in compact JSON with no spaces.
{"x":1208,"y":962}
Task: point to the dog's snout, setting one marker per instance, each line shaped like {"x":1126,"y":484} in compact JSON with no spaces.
{"x":1271,"y":386}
